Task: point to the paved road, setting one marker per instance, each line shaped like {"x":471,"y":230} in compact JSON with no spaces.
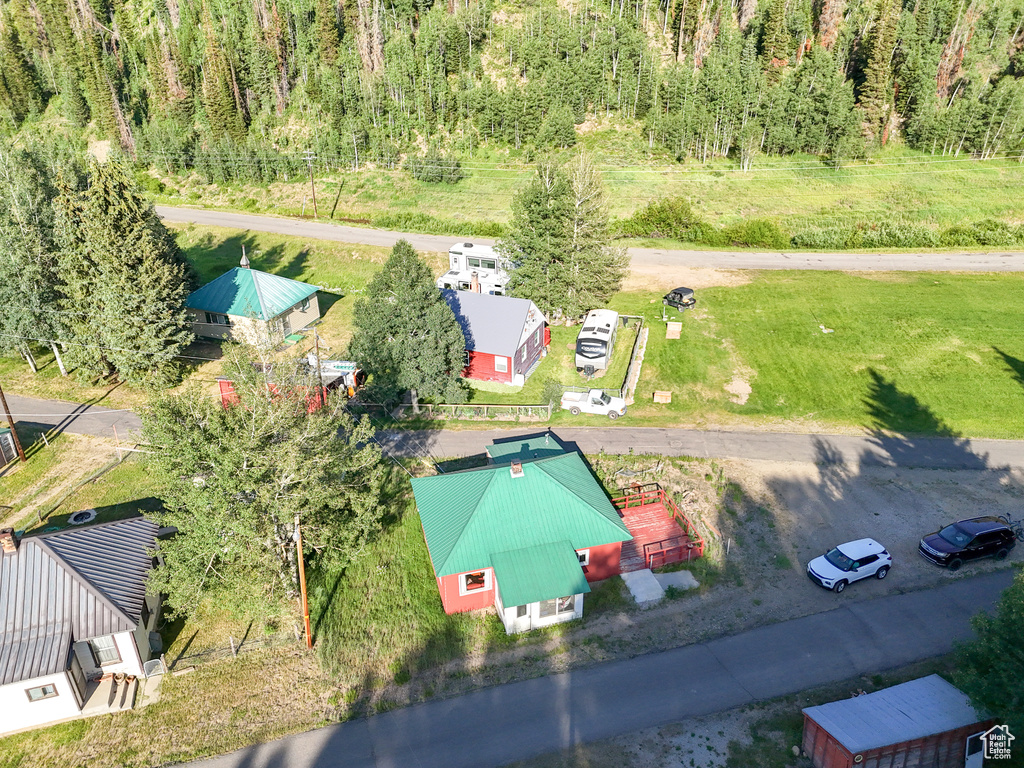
{"x":936,"y":453}
{"x":994,"y":261}
{"x":495,"y":726}
{"x":81,"y":419}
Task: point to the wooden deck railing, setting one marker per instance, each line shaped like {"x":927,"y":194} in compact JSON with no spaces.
{"x":672,"y":550}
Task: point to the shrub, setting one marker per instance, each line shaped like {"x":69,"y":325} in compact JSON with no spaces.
{"x":434,"y":168}
{"x":899,"y":234}
{"x":757,"y":233}
{"x":957,"y":236}
{"x":823,"y":238}
{"x":671,"y":218}
{"x":992,"y":232}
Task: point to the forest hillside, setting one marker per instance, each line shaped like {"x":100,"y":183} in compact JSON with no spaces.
{"x":369,"y":80}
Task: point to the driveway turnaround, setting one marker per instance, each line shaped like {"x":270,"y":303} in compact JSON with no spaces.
{"x":498,"y":725}
{"x":992,"y":261}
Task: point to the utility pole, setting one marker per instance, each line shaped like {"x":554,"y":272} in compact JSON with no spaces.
{"x":322,"y":396}
{"x":14,"y":432}
{"x":302,"y":584}
{"x":310,"y":157}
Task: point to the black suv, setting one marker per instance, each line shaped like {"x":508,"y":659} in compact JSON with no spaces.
{"x":968,"y":540}
{"x":680,"y":298}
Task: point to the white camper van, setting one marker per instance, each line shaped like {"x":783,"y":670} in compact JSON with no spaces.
{"x":596,"y":340}
{"x":475,"y":268}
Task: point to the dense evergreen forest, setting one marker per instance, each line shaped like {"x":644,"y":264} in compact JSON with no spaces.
{"x":247,"y":86}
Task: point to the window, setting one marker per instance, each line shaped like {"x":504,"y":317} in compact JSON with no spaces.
{"x":478,"y":581}
{"x":474,"y":262}
{"x":42,"y":692}
{"x":500,"y":364}
{"x":536,"y":336}
{"x":558,"y":606}
{"x":104,"y":651}
{"x":521,"y":611}
{"x":584,"y":556}
{"x":305,"y":304}
{"x":487,"y":264}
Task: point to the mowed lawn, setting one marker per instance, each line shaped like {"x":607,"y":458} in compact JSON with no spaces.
{"x":929,"y":353}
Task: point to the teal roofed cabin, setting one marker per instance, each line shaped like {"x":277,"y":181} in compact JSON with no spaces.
{"x":255,"y":307}
{"x":524,"y":535}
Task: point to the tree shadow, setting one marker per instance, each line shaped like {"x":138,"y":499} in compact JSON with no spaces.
{"x":1014,"y":364}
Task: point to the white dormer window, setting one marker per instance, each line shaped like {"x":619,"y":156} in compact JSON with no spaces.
{"x":583,"y":555}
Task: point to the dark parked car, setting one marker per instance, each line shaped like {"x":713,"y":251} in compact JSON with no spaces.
{"x":968,"y":540}
{"x":680,"y":298}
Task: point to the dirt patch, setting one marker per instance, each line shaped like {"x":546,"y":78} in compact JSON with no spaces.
{"x":100,"y":150}
{"x":647,"y":277}
{"x":80,"y":456}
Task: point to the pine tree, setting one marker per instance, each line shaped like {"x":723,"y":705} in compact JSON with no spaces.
{"x":124,"y":279}
{"x":328,"y":35}
{"x":20,"y":88}
{"x":238,"y":480}
{"x":559,"y":242}
{"x":775,"y":40}
{"x":28,"y":274}
{"x":406,"y":336}
{"x":876,"y":97}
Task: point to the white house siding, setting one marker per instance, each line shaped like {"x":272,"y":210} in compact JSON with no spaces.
{"x":514,"y":624}
{"x":130,"y":664}
{"x":254,"y":331}
{"x":20,"y":713}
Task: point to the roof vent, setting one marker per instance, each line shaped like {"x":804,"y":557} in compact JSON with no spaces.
{"x":517,"y":469}
{"x":9,"y":541}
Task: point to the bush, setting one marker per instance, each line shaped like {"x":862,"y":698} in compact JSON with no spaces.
{"x":823,"y":238}
{"x":432,"y":225}
{"x":757,"y":233}
{"x":434,"y":168}
{"x":992,"y":232}
{"x":899,"y":235}
{"x":671,"y":218}
{"x":957,"y":236}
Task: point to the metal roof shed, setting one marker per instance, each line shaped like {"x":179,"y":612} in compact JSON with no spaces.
{"x":924,"y":723}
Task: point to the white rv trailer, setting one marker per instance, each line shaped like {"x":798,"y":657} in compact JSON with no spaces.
{"x":596,"y":340}
{"x":468,"y":260}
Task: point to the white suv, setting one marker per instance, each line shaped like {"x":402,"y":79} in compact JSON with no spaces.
{"x":849,"y":562}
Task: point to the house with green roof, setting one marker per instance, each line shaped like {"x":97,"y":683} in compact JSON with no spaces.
{"x":525,"y":537}
{"x":256,"y":307}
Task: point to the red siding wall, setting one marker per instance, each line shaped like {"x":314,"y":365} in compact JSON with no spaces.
{"x":481,"y":368}
{"x":604,"y":561}
{"x":942,"y":750}
{"x":453,"y":602}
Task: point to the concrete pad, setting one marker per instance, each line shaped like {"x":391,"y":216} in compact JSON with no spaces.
{"x":679,"y":580}
{"x":643,"y":586}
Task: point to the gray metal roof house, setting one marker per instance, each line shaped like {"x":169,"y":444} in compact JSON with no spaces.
{"x":923,"y":723}
{"x":74,"y":615}
{"x":505,"y":337}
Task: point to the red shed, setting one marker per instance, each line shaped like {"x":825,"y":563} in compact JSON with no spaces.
{"x":925,"y":723}
{"x":505,"y":337}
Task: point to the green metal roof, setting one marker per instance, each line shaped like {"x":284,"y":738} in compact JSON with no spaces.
{"x":525,"y":449}
{"x":538,"y":573}
{"x":249,"y":293}
{"x":468,"y":516}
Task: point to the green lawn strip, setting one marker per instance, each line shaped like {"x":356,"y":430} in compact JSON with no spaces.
{"x":933,"y":340}
{"x":23,"y":482}
{"x":799,"y":191}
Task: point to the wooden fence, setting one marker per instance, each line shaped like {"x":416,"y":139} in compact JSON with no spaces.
{"x":503,"y":412}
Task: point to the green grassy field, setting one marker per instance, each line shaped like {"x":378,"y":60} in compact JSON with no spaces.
{"x":799,"y":191}
{"x":915,"y":353}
